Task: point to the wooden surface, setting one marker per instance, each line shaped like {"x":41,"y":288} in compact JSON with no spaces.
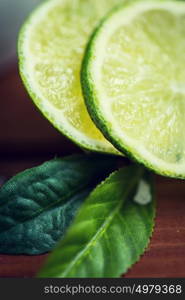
{"x":27,"y":139}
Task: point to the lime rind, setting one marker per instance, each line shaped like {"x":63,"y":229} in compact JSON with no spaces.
{"x":55,"y":116}
{"x":101,"y":113}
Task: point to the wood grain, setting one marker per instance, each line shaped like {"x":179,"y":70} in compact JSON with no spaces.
{"x":27,"y":139}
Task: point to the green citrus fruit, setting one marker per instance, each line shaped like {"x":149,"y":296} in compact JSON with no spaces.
{"x":133,"y":79}
{"x":51,"y":46}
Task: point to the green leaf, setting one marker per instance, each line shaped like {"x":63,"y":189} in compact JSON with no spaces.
{"x":37,"y":205}
{"x":110,"y":231}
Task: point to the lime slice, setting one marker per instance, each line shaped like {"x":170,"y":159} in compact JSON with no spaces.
{"x":51,"y":46}
{"x":133,"y":79}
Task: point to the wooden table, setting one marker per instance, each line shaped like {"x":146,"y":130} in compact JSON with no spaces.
{"x":27,"y":139}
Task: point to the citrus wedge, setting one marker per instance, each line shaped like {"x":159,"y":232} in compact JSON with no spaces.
{"x":51,"y":46}
{"x":133,"y":79}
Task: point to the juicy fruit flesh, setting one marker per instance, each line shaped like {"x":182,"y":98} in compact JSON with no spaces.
{"x":143,"y":78}
{"x":57,"y":45}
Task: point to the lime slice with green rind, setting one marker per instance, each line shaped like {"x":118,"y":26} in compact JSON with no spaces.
{"x":133,"y":80}
{"x":51,"y":46}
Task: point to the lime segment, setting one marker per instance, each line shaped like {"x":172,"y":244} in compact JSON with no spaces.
{"x":51,"y":47}
{"x":134,"y":82}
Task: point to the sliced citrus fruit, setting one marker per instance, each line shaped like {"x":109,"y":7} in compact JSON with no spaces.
{"x":133,"y":79}
{"x":51,"y":46}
